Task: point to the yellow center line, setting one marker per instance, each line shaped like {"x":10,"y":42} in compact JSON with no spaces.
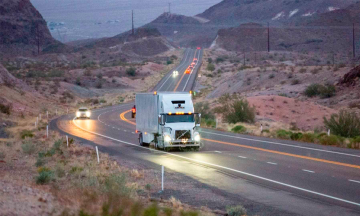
{"x":286,"y":154}
{"x":183,"y":75}
{"x":122,"y":117}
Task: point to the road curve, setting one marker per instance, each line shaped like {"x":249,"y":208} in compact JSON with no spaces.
{"x":297,"y":177}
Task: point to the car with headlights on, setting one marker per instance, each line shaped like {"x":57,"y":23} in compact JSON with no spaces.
{"x":83,"y":112}
{"x":175,"y":73}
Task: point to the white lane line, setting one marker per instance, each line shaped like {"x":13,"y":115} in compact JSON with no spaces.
{"x":276,"y":143}
{"x":242,"y":157}
{"x":186,"y":60}
{"x":133,"y":132}
{"x":308,"y":171}
{"x":218,"y":152}
{"x":192,"y":71}
{"x":271,"y":163}
{"x":354,"y":181}
{"x":227,"y":168}
{"x":170,"y":74}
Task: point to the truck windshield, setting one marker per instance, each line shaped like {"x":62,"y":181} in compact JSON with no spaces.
{"x":179,"y":118}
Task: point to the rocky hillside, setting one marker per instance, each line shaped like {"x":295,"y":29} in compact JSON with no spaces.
{"x":22,"y":28}
{"x":145,"y":41}
{"x":329,"y":32}
{"x":234,"y":12}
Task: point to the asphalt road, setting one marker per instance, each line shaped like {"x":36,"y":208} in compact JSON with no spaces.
{"x":302,"y":178}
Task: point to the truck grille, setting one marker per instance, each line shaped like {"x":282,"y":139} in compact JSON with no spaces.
{"x":182,"y":134}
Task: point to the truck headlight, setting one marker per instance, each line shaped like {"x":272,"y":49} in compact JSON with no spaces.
{"x":88,"y":114}
{"x":167,"y":138}
{"x":77,"y":114}
{"x":197,"y":138}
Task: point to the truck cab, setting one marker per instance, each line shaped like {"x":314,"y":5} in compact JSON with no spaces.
{"x":168,"y":120}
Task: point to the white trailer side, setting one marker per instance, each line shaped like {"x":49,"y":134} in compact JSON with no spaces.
{"x":147,"y":113}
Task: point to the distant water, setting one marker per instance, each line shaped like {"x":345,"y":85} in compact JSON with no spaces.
{"x":70,"y":20}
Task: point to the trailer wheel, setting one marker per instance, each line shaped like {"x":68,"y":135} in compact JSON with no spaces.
{"x":141,"y":140}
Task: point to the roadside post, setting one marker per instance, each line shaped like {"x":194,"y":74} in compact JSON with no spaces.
{"x":162,"y":178}
{"x":56,"y":111}
{"x":97,"y":153}
{"x":35,"y":124}
{"x":261,"y":128}
{"x":67,"y":141}
{"x":47,"y":131}
{"x":328,"y":132}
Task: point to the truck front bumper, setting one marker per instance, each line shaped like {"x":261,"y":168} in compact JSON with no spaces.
{"x":182,"y":144}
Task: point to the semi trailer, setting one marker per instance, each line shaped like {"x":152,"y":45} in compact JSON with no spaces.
{"x":167,"y":119}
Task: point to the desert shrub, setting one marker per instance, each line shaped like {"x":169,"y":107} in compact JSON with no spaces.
{"x":239,"y":111}
{"x":271,"y":76}
{"x":296,"y":136}
{"x":78,"y":81}
{"x":308,"y":137}
{"x":116,"y":183}
{"x":219,"y":60}
{"x":354,"y":105}
{"x":283,"y":95}
{"x":355,"y":142}
{"x":295,"y":82}
{"x":40,"y":162}
{"x":76,"y":169}
{"x":174,"y":57}
{"x":327,"y":91}
{"x":209,"y":123}
{"x":99,"y":75}
{"x":210,"y":60}
{"x":169,"y":62}
{"x":59,"y":171}
{"x":204,"y":109}
{"x":312,"y":90}
{"x":131,"y":71}
{"x":28,"y":147}
{"x":44,"y":177}
{"x":56,"y":73}
{"x":283,"y":134}
{"x":238,"y":210}
{"x":265,"y":131}
{"x":99,"y":85}
{"x":239,"y":129}
{"x":210,"y":67}
{"x":345,"y":124}
{"x":330,"y":140}
{"x":6,"y":109}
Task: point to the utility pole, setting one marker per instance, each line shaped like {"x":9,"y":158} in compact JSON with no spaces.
{"x":244,"y":59}
{"x":354,"y":50}
{"x":37,"y":37}
{"x":268,"y":37}
{"x":132,"y":22}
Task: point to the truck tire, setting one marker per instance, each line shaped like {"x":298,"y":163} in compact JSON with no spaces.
{"x":133,"y":115}
{"x":141,"y":140}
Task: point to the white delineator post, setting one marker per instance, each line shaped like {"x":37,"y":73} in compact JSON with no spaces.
{"x":47,"y":131}
{"x":97,"y":153}
{"x":261,"y":128}
{"x":329,"y":132}
{"x":162,"y":178}
{"x":67,"y":141}
{"x":216,"y":123}
{"x":35,"y":123}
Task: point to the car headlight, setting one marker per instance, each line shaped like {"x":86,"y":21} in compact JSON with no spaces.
{"x":197,"y":138}
{"x":77,"y":114}
{"x":167,"y":138}
{"x":88,"y":114}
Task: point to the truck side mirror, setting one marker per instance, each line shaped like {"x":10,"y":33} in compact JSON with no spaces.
{"x":198,"y":120}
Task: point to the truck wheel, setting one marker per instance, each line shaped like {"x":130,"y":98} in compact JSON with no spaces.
{"x":132,"y":115}
{"x":141,"y":140}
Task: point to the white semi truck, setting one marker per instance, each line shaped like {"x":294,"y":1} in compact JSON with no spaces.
{"x":168,"y":120}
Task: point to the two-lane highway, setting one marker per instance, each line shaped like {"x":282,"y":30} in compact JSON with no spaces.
{"x":297,"y":177}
